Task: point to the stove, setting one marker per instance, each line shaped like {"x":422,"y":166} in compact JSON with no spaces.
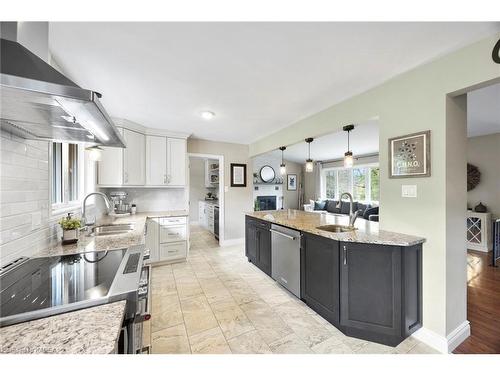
{"x":34,"y":288}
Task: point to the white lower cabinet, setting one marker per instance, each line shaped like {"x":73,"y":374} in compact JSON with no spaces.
{"x":173,"y":251}
{"x":167,"y":239}
{"x":172,"y":234}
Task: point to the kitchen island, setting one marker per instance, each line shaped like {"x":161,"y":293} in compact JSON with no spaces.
{"x":366,"y":282}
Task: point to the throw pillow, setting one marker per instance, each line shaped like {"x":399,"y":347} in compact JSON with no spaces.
{"x":331,"y":206}
{"x":319,"y":205}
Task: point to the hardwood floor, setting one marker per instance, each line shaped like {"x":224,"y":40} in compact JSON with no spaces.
{"x":483,"y":305}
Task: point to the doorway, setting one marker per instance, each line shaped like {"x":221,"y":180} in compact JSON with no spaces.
{"x":206,"y":200}
{"x":483,"y":212}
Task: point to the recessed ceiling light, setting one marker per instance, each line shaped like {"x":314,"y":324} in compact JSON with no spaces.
{"x":207,"y":115}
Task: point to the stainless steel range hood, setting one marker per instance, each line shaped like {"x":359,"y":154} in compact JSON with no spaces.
{"x":38,"y":102}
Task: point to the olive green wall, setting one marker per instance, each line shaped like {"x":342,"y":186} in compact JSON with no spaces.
{"x":411,"y":102}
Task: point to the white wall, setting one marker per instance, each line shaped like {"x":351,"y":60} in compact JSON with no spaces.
{"x":484,"y":153}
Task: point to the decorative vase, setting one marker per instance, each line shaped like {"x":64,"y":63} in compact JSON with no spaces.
{"x":70,"y":236}
{"x":480,"y":207}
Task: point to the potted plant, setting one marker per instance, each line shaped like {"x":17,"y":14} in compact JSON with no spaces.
{"x":71,"y":228}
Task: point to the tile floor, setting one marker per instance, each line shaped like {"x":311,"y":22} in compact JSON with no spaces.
{"x":218,"y":302}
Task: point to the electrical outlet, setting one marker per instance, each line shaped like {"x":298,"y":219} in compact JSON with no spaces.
{"x":409,"y":191}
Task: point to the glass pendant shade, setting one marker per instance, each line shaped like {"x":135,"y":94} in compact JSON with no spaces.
{"x":309,"y":165}
{"x":309,"y":161}
{"x":282,"y":165}
{"x":283,"y":169}
{"x":348,"y":160}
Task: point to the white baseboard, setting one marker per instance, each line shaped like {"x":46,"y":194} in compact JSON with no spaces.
{"x":444,"y":344}
{"x":232,"y":242}
{"x":458,"y":335}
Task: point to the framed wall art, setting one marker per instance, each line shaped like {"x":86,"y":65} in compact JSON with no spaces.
{"x":291,"y":181}
{"x":238,"y":175}
{"x":410,"y":155}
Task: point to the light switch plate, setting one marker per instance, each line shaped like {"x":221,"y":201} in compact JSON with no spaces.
{"x":226,"y":189}
{"x":409,"y":191}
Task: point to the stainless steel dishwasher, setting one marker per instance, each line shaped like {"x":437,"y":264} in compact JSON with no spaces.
{"x":285,"y":265}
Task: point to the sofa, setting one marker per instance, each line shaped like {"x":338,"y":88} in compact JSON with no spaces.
{"x":366,"y":211}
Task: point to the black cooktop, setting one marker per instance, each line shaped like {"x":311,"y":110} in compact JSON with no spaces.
{"x":41,"y":283}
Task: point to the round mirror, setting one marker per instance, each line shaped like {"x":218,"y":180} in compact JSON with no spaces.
{"x":267,"y":173}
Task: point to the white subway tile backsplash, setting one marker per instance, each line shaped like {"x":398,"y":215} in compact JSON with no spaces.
{"x":24,"y":198}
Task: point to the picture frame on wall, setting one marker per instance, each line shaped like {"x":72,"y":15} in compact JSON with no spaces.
{"x":410,"y":155}
{"x":291,"y":181}
{"x":238,"y":175}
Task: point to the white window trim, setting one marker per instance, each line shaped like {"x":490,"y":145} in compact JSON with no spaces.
{"x":60,"y":208}
{"x":336,"y":169}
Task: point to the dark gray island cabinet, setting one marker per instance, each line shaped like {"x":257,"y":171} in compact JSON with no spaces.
{"x":368,"y":291}
{"x":258,"y":243}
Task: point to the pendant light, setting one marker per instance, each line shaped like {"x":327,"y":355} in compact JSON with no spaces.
{"x":348,"y":159}
{"x":309,"y":161}
{"x":282,"y":165}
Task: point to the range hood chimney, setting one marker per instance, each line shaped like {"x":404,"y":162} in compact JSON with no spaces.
{"x":38,"y":102}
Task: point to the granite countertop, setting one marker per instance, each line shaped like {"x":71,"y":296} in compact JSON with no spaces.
{"x":89,"y":331}
{"x":366,"y":231}
{"x":93,"y":330}
{"x":88,"y":243}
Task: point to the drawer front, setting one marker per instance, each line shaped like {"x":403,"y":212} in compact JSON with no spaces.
{"x":166,"y":221}
{"x":171,"y":251}
{"x":172,"y":233}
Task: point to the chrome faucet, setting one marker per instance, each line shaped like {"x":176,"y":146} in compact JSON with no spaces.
{"x":109,"y":207}
{"x":352,"y":215}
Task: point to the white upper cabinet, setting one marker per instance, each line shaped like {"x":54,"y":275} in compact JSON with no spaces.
{"x":148,"y":160}
{"x":110,"y":168}
{"x":176,"y":162}
{"x":156,"y":160}
{"x":134,"y":158}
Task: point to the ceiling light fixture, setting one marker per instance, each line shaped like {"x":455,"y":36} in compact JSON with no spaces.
{"x":348,"y":159}
{"x":309,"y":161}
{"x":282,"y":165}
{"x":95,"y":153}
{"x":207,"y":115}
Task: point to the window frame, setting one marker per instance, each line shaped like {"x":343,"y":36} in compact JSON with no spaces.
{"x":61,"y":207}
{"x":357,"y":166}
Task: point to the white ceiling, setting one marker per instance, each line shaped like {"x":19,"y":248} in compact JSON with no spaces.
{"x":257,"y":77}
{"x":483,"y":111}
{"x":363,"y":141}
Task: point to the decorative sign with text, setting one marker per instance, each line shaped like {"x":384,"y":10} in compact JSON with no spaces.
{"x":409,"y":155}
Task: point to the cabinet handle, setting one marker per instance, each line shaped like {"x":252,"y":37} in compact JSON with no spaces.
{"x":126,"y":176}
{"x":164,"y":178}
{"x":345,"y":255}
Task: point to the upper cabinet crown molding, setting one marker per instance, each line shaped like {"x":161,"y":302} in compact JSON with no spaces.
{"x":127,"y":124}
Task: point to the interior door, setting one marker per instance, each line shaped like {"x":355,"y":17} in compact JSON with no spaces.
{"x":156,"y":160}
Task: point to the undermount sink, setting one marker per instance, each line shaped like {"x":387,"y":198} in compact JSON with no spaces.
{"x":337,"y":228}
{"x":102,"y":230}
